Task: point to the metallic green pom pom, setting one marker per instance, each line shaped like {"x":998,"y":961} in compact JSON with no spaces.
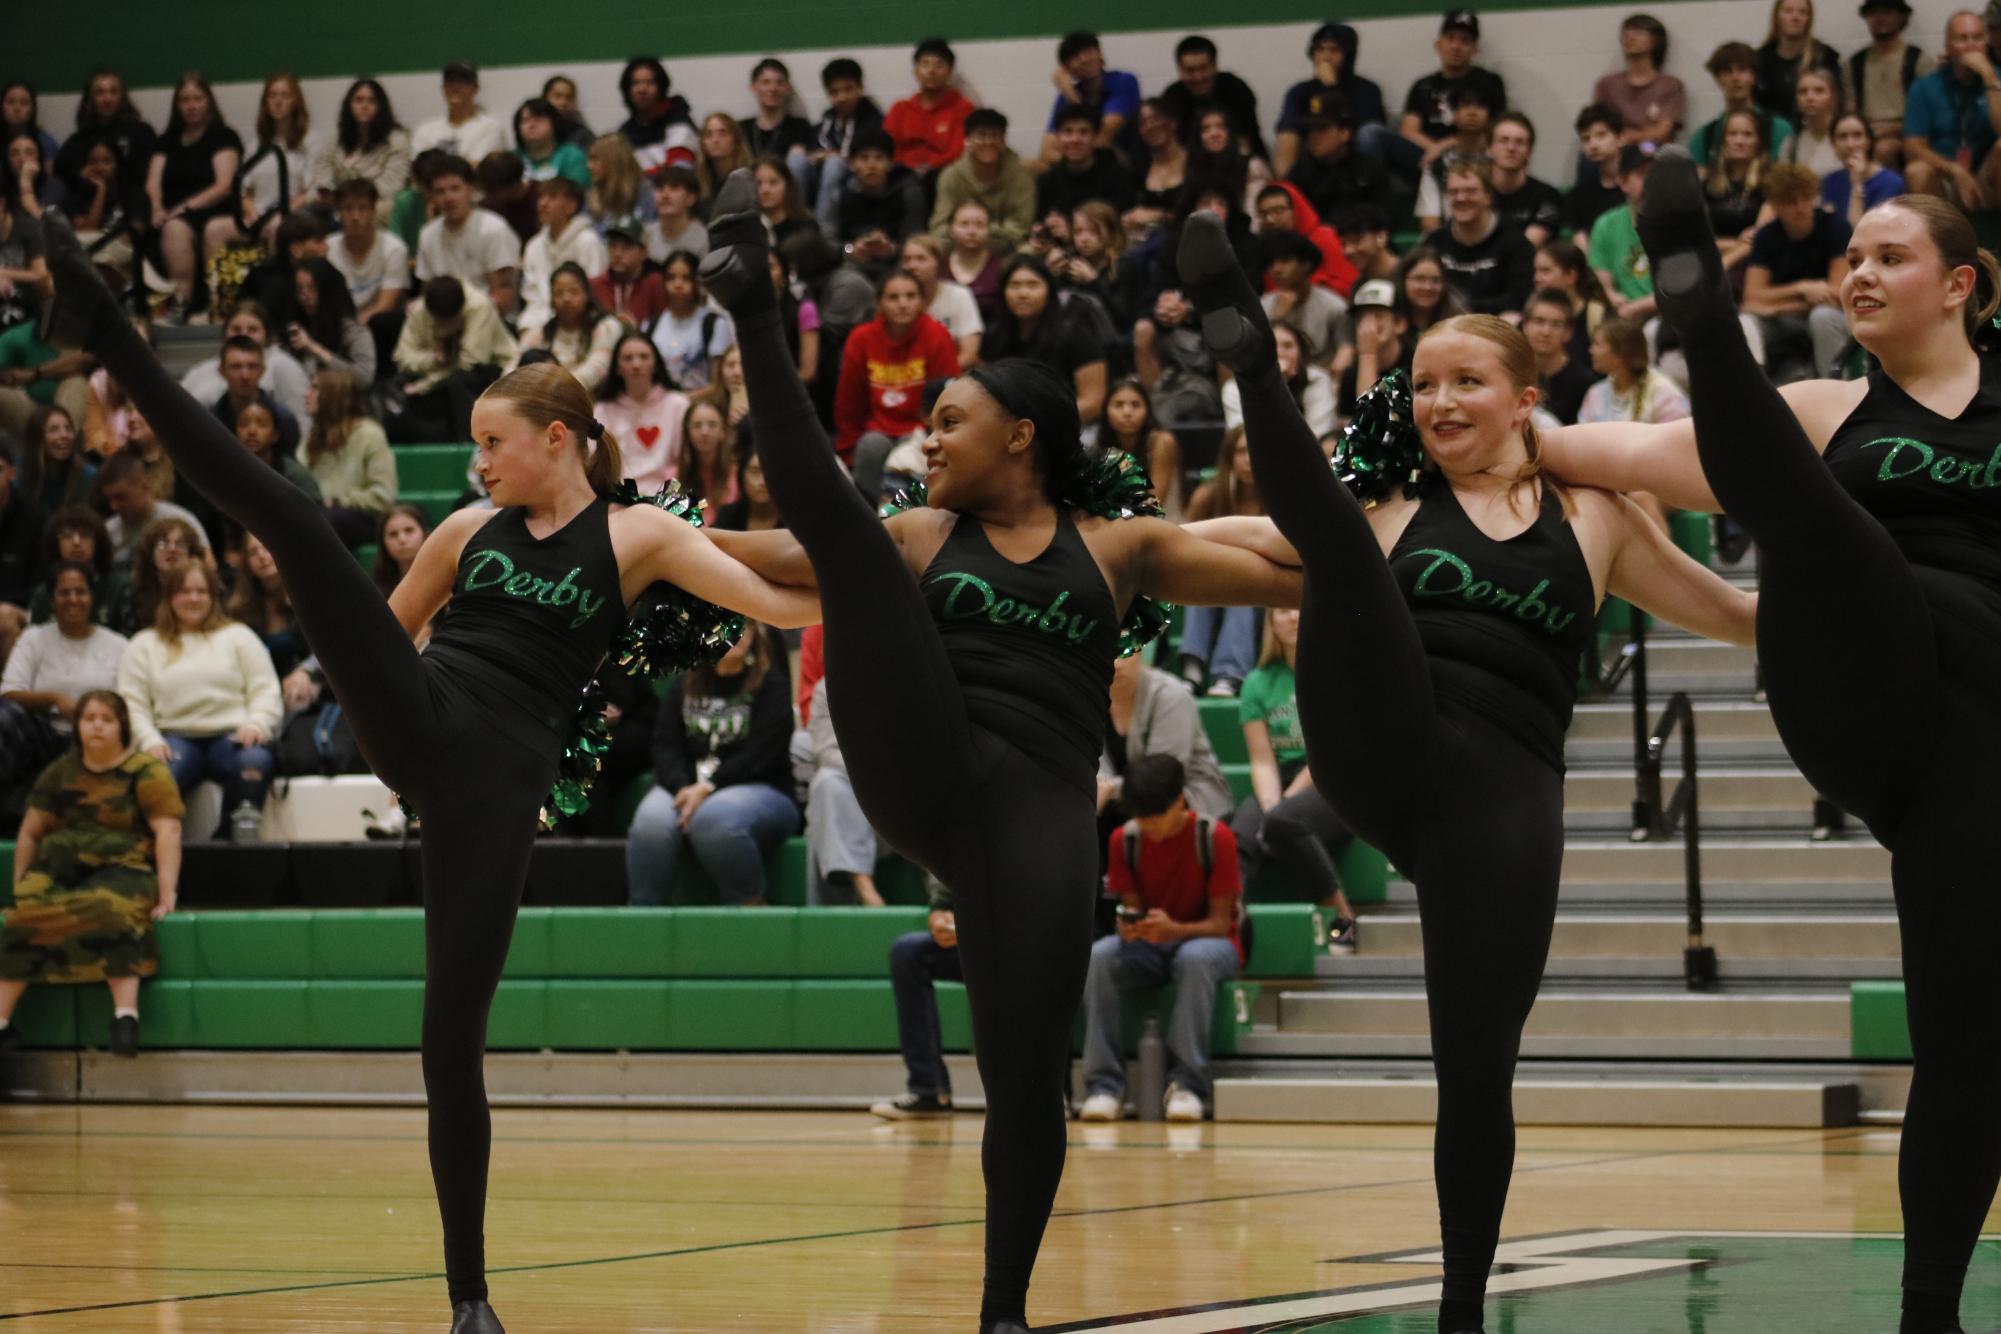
{"x":1380,"y":451}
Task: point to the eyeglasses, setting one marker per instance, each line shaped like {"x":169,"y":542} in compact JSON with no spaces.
{"x":172,"y":544}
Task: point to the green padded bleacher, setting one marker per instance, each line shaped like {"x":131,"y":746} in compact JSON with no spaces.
{"x":1878,"y":1029}
{"x":432,"y":467}
{"x":1226,"y":734}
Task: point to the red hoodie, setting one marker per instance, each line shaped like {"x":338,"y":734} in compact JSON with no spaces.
{"x":1336,"y":270}
{"x":882,"y":381}
{"x":929,"y":137}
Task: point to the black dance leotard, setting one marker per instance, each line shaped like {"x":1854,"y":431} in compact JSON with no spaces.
{"x":1031,"y":644}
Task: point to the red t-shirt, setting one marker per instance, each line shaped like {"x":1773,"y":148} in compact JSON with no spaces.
{"x":1170,"y":874}
{"x":882,"y":380}
{"x":928,"y":137}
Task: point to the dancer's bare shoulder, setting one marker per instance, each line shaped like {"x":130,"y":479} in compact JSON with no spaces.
{"x":1822,"y":405}
{"x":918,"y":533}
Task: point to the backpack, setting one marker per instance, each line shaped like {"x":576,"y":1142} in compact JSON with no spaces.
{"x":1905,"y":78}
{"x":1205,"y":855}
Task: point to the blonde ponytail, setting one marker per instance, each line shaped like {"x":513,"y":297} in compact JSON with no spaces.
{"x":603,"y":464}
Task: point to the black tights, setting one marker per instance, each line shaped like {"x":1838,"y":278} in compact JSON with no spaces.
{"x":1439,"y":789}
{"x":1016,"y":844}
{"x":1880,"y":677}
{"x":428,"y":736}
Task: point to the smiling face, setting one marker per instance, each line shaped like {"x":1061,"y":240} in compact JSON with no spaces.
{"x":1898,"y":288}
{"x":58,"y":437}
{"x":1549,"y":273}
{"x":70,"y":598}
{"x":1198,"y":73}
{"x":1424,"y":285}
{"x":1468,"y":410}
{"x":1467,"y":199}
{"x":1156,"y":128}
{"x":1026,"y":294}
{"x":257,"y":559}
{"x":772,"y":89}
{"x":1214,"y":133}
{"x":972,"y":441}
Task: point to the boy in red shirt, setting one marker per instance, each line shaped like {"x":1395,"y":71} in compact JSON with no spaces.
{"x":1179,"y":908}
{"x":929,"y":127}
{"x":879,"y":400}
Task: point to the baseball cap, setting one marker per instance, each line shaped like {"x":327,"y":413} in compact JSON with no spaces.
{"x":627,"y":227}
{"x":1464,"y":19}
{"x":1635,"y":156}
{"x":1378,"y":292}
{"x":1901,"y":6}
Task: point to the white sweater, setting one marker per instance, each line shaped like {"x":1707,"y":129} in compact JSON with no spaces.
{"x":215,"y":683}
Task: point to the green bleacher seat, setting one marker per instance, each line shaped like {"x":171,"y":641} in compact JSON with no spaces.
{"x":1878,"y":1028}
{"x":1226,"y":734}
{"x":432,"y":467}
{"x":364,"y":555}
{"x":437,"y":505}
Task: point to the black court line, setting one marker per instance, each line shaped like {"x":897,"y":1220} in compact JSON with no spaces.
{"x":559,"y":1265}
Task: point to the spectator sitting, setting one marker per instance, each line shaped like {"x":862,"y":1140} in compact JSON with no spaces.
{"x":1365,"y":236}
{"x":1152,"y":713}
{"x":560,"y":91}
{"x":452,"y":346}
{"x":753,"y":511}
{"x":20,"y":113}
{"x":142,"y":442}
{"x":1520,"y":200}
{"x":657,"y":125}
{"x":774,"y":131}
{"x":260,"y":601}
{"x":272,"y":183}
{"x":133,"y":595}
{"x":74,"y":535}
{"x":1563,"y":379}
{"x":20,"y":533}
{"x":1950,"y":120}
{"x":1083,"y":171}
{"x":879,"y":416}
{"x":105,"y":115}
{"x":578,"y":332}
{"x":691,"y":334}
{"x":1489,"y":264}
{"x":1130,"y":429}
{"x":99,"y":207}
{"x":349,"y":458}
{"x":640,"y":406}
{"x":1561,"y":265}
{"x":674,"y":227}
{"x":881,"y":202}
{"x":1220,"y":644}
{"x":1474,"y":135}
{"x":779,"y":200}
{"x":368,"y":145}
{"x":705,"y":467}
{"x":127,"y":491}
{"x":397,"y":543}
{"x":1425,"y":132}
{"x":504,"y":190}
{"x":1597,"y":192}
{"x":1617,"y":259}
{"x":203,"y":695}
{"x":627,"y":288}
{"x":1283,"y":208}
{"x":1734,"y":66}
{"x":282,"y":380}
{"x":723,"y":150}
{"x":1880,"y":75}
{"x":1790,"y":50}
{"x":949,"y":303}
{"x":34,"y":187}
{"x":1312,"y":388}
{"x":973,"y":262}
{"x":189,"y":182}
{"x":1632,"y":390}
{"x":1217,"y":151}
{"x":800,"y":318}
{"x":23,"y":268}
{"x":1083,"y":81}
{"x":1167,"y":337}
{"x":721,"y":761}
{"x":54,"y":472}
{"x":1165,"y":161}
{"x":1032,"y":323}
{"x":1202,"y":84}
{"x":1333,"y":173}
{"x":1736,"y":187}
{"x":257,"y":430}
{"x":1095,"y":268}
{"x":323,"y":330}
{"x":35,"y":374}
{"x":849,"y":110}
{"x":465,"y":130}
{"x":51,"y":668}
{"x":566,"y":238}
{"x":375,"y":263}
{"x":1423,"y":295}
{"x":1318,"y":316}
{"x":465,"y":241}
{"x":1333,"y":49}
{"x":1380,"y":343}
{"x":841,"y":844}
{"x":916,"y":961}
{"x":243,"y":372}
{"x":1817,"y":101}
{"x":1650,"y":104}
{"x":1285,"y":817}
{"x":99,"y":856}
{"x":928,"y":128}
{"x":1792,"y":281}
{"x":1861,"y":182}
{"x":1180,"y":903}
{"x":544,"y":150}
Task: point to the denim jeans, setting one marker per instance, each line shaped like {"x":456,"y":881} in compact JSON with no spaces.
{"x":730,"y":833}
{"x":244,"y":772}
{"x":915,"y":962}
{"x":1226,"y":638}
{"x":1196,"y":967}
{"x":827,"y":195}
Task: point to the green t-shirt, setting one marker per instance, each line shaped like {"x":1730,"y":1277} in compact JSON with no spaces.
{"x":1268,"y":697}
{"x":22,"y":348}
{"x":568,"y":161}
{"x":1615,"y":249}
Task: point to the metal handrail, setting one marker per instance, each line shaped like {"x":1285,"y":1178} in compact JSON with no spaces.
{"x":1655,"y":818}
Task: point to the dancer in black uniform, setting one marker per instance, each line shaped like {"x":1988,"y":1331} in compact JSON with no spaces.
{"x":1876,"y":507}
{"x":1435,"y":687}
{"x":470,"y":733}
{"x":969,"y":657}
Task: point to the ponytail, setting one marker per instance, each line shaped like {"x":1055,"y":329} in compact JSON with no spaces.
{"x":543,"y":393}
{"x":1985,"y":300}
{"x":604,"y":466}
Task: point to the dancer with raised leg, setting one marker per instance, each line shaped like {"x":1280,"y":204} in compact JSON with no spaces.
{"x":969,"y":650}
{"x":1440,"y":638}
{"x":1876,"y":507}
{"x":471,"y":733}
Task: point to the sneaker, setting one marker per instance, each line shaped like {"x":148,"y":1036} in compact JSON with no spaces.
{"x":393,"y":825}
{"x":1102,"y":1107}
{"x":1342,"y":937}
{"x":915,"y":1107}
{"x":1181,"y":1105}
{"x":124,"y":1036}
{"x":1224,"y":687}
{"x":1193,"y":671}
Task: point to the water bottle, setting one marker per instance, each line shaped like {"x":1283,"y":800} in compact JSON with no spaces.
{"x":246,"y":824}
{"x":1150,"y":1086}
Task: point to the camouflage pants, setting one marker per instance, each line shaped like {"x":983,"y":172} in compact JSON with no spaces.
{"x":97,"y":929}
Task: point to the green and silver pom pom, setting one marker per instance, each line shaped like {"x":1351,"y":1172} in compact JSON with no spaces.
{"x":583,"y":757}
{"x":1380,"y":452}
{"x":1105,"y":486}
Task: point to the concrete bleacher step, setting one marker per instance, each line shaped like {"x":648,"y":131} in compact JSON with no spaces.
{"x":1796,"y":1102}
{"x":1697,"y":666}
{"x":182,"y":347}
{"x":1579,"y":1023}
{"x":1728,"y":731}
{"x":1731,"y":797}
{"x":1770,"y":860}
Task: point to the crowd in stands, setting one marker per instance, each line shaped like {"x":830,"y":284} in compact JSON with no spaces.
{"x":369,"y":278}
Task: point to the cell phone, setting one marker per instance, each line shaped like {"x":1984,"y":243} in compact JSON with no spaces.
{"x":1130,"y":914}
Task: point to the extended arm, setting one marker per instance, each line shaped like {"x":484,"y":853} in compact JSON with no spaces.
{"x":679,"y":553}
{"x":1180,"y":568}
{"x":1252,"y":532}
{"x":1632,"y":456}
{"x":772,"y":553}
{"x":1653,"y":574}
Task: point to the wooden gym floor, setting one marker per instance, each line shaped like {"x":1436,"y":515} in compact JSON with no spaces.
{"x":175,"y":1220}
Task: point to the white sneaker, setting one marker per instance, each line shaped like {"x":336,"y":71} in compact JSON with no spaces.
{"x":1182,"y":1105}
{"x":1102,"y":1107}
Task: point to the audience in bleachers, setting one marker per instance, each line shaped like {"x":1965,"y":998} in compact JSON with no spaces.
{"x":397,"y":541}
{"x":134,"y":593}
{"x":1950,"y":120}
{"x":657,"y":124}
{"x":1860,"y":182}
{"x":452,"y":346}
{"x":928,"y":128}
{"x":842,"y":845}
{"x":879,"y":409}
{"x":368,"y":145}
{"x":51,"y":667}
{"x":639,"y":405}
{"x":575,"y":330}
{"x":1219,"y":645}
{"x":54,"y":471}
{"x":917,"y":962}
{"x":349,"y":457}
{"x":1650,"y":105}
{"x":125,"y":486}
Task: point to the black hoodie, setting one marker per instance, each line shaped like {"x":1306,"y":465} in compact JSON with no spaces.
{"x":1309,"y":96}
